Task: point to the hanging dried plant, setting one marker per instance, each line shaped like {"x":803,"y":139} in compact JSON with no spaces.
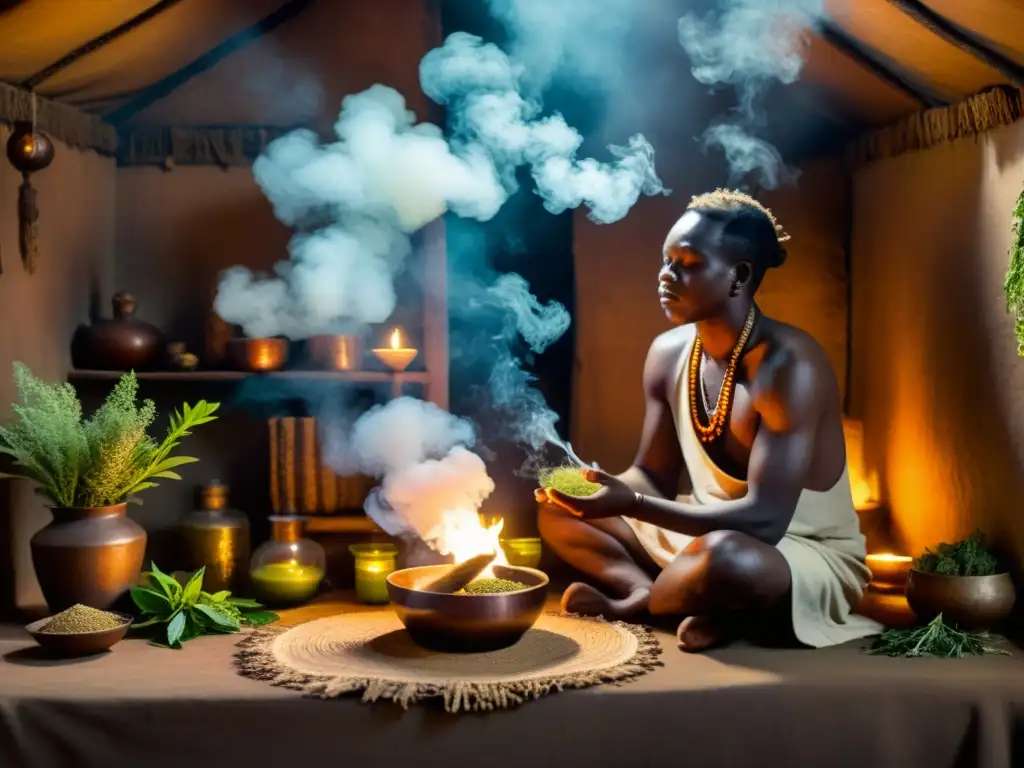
{"x":1014,"y":285}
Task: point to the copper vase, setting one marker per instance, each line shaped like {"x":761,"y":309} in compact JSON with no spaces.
{"x":88,"y":556}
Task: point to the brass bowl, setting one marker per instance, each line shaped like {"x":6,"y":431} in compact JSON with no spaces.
{"x":972,"y":602}
{"x":82,"y":643}
{"x":258,"y":355}
{"x":466,"y":623}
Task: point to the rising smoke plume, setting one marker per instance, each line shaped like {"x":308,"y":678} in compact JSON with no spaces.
{"x":749,"y":44}
{"x":387,"y":176}
{"x":422,"y":455}
{"x":382,"y":179}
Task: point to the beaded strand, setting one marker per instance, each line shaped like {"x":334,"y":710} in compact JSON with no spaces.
{"x":720,"y":416}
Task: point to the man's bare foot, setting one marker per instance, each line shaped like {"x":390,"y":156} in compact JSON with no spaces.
{"x":699,"y":633}
{"x":585,"y":600}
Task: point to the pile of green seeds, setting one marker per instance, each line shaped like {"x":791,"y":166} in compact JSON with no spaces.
{"x":79,"y":619}
{"x":492,"y":586}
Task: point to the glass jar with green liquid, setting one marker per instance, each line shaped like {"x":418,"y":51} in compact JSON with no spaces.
{"x":289,"y":568}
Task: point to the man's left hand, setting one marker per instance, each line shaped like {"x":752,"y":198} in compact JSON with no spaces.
{"x":615,"y":498}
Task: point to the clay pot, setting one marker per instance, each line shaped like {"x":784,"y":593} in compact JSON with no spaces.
{"x":972,"y":602}
{"x":119,"y":344}
{"x":88,"y":556}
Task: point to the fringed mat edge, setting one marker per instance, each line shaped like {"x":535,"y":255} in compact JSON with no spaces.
{"x":255,"y":660}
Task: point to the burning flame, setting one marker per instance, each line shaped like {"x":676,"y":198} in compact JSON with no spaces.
{"x":462,"y":535}
{"x":396,"y":339}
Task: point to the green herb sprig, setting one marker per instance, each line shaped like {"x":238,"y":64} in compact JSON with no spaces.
{"x":1013,"y":287}
{"x":935,"y":639}
{"x":183,"y":613}
{"x":96,"y":462}
{"x":969,"y":557}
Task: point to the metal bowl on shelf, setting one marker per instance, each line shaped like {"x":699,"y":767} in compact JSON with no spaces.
{"x":257,"y":355}
{"x":466,"y":623}
{"x":337,"y":352}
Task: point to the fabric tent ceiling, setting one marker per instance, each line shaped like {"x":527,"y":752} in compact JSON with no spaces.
{"x":37,"y":33}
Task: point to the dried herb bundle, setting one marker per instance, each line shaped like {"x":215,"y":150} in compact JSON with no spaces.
{"x":969,"y":557}
{"x":1013,"y":287}
{"x":568,"y":480}
{"x":936,"y":639}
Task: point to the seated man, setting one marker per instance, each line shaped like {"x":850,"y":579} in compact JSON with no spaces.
{"x":743,"y":416}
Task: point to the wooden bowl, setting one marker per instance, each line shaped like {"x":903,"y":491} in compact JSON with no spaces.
{"x":972,"y":602}
{"x":455,"y":623}
{"x":258,"y":355}
{"x":81,"y":644}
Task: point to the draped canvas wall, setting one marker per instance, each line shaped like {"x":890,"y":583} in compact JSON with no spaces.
{"x":936,"y":376}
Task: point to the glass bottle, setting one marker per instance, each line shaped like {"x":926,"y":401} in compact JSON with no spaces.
{"x":216,"y":537}
{"x":287,"y":569}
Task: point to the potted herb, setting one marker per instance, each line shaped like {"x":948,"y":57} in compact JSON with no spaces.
{"x":88,"y":470}
{"x":964,"y":582}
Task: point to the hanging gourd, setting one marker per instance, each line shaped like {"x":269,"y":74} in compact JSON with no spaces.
{"x":29,"y":151}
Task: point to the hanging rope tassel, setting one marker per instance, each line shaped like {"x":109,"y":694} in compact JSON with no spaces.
{"x":28,"y":224}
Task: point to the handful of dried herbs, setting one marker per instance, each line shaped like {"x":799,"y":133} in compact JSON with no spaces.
{"x":568,"y":480}
{"x":969,"y":557}
{"x":936,"y":639}
{"x":185,"y":612}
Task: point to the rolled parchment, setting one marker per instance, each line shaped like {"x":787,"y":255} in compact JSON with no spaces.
{"x":459,"y":576}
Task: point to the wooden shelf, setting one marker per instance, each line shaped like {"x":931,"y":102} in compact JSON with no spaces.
{"x":356,"y":377}
{"x":341,"y":524}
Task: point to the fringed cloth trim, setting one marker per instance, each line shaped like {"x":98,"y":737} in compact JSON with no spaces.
{"x":256,"y":661}
{"x":65,"y":123}
{"x":1003,"y":105}
{"x":223,"y":146}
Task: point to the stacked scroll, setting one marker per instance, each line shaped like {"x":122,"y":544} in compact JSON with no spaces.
{"x":300,"y":482}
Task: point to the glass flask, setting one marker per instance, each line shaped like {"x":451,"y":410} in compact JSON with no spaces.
{"x":289,"y":568}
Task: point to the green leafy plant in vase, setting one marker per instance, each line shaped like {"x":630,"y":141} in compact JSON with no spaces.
{"x":88,"y":470}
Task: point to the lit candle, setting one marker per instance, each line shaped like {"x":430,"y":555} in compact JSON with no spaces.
{"x":888,"y":571}
{"x":523,"y":552}
{"x":396,"y":357}
{"x":374,"y":563}
{"x":287,"y":582}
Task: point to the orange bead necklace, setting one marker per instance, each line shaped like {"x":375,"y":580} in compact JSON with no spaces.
{"x":719,"y":417}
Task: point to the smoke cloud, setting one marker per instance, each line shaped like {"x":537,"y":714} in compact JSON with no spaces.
{"x":422,"y":454}
{"x":578,"y":40}
{"x":749,"y":44}
{"x":357,"y":200}
{"x":386,"y":176}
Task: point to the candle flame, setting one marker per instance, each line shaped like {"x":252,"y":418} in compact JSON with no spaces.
{"x":462,"y":535}
{"x":396,"y":339}
{"x":889,"y":557}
